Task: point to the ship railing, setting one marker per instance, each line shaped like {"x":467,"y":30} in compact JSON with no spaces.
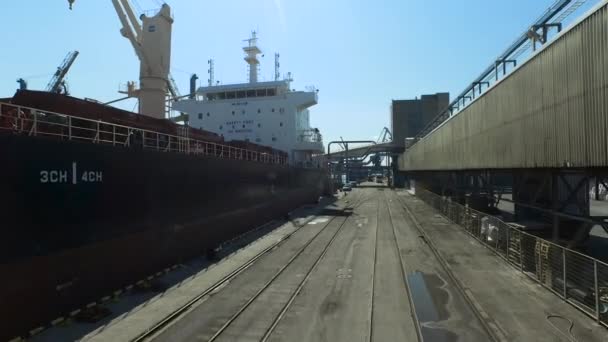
{"x":309,"y":135}
{"x":35,"y":122}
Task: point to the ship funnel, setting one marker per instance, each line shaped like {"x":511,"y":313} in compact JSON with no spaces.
{"x":193,"y":86}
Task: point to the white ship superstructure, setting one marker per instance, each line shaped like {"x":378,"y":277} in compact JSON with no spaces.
{"x":265,"y":113}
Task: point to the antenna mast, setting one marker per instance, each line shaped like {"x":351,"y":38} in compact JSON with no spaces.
{"x":252,"y":51}
{"x":277,"y":74}
{"x":211,"y":72}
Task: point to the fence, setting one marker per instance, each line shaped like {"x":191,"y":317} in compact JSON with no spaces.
{"x":579,"y":279}
{"x":35,"y":122}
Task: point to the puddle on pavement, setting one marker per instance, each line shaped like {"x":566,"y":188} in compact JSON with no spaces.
{"x":319,"y":220}
{"x":430,"y":302}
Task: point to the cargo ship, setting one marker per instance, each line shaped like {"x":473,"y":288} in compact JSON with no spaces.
{"x":94,"y":197}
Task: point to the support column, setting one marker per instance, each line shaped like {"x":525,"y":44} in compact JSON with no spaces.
{"x":555,"y":206}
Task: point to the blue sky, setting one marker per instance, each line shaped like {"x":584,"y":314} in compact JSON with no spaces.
{"x":360,"y":54}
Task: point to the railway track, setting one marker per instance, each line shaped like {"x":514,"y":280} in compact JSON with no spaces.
{"x":489,"y":326}
{"x":157,"y":329}
{"x":403,"y":273}
{"x":308,"y":274}
{"x":372,"y":274}
{"x":371,"y":308}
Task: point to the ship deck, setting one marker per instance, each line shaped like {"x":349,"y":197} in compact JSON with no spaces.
{"x":376,"y":264}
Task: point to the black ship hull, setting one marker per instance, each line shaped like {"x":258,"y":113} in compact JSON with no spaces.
{"x":81,"y":220}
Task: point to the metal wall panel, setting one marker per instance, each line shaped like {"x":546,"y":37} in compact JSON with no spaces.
{"x":550,"y":112}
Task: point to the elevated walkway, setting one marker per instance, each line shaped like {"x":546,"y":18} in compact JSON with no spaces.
{"x":550,"y":112}
{"x":364,"y":151}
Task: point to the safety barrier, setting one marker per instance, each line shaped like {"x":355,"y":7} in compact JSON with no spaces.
{"x":35,"y":122}
{"x":577,"y":278}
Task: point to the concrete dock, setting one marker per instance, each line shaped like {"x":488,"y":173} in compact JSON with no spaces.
{"x":375,"y":265}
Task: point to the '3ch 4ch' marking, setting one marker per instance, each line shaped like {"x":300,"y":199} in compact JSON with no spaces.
{"x":72,"y":176}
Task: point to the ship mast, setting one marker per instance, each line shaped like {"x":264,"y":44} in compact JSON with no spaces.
{"x":277,"y":74}
{"x":252,"y":51}
{"x":211,"y":71}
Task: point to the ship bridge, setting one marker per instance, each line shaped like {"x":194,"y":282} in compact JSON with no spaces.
{"x":266,"y":113}
{"x":243,"y":90}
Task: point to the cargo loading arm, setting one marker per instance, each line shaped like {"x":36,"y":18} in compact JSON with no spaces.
{"x":54,"y":85}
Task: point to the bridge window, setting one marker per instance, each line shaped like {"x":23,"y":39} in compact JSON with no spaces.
{"x":259,"y":125}
{"x":273,"y":110}
{"x":200,"y":116}
{"x":250,"y":93}
{"x":208,"y":114}
{"x":281,"y":124}
{"x":274,"y":139}
{"x":231,"y":95}
{"x":258,"y":140}
{"x":259,"y":111}
{"x":221,"y":127}
{"x":243,"y":126}
{"x":232,"y":112}
{"x":271,"y":92}
{"x":243,"y":111}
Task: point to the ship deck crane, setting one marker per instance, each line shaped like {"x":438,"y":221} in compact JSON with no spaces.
{"x":57,"y":83}
{"x":150,"y":37}
{"x":151,"y":40}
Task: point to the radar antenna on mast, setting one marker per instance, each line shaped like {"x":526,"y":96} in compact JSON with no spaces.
{"x":277,"y":74}
{"x":252,"y":51}
{"x":211,"y":71}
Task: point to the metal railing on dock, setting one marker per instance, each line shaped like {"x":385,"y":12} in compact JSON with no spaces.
{"x":36,"y":122}
{"x":577,"y":278}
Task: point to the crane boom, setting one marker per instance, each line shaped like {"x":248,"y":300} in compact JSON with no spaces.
{"x":172,"y":87}
{"x":130,"y":28}
{"x":151,"y":40}
{"x":54,"y":85}
{"x":132,"y":18}
{"x":385,"y":136}
{"x":150,"y":37}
